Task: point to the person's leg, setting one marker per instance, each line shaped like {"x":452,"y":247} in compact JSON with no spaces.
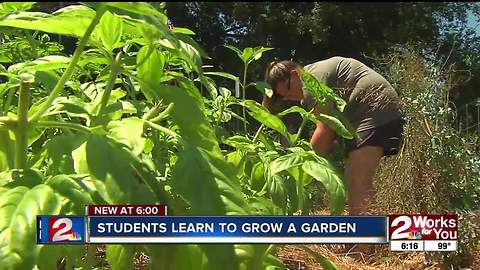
{"x":359,"y":173}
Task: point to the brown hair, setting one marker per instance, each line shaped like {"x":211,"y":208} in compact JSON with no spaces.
{"x":276,"y":72}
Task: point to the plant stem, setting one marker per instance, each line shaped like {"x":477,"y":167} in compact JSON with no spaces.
{"x":165,"y":131}
{"x":111,"y":82}
{"x":258,"y":133}
{"x":300,"y":191}
{"x":163,"y":114}
{"x":58,"y":124}
{"x":73,"y":62}
{"x":21,"y":132}
{"x":243,"y":96}
{"x":299,"y":132}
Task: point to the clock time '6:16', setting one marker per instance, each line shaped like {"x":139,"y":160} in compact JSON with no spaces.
{"x":409,"y":245}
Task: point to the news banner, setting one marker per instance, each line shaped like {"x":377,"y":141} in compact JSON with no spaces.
{"x":150,"y":224}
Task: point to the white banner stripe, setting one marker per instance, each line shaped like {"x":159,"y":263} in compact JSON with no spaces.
{"x":236,"y":240}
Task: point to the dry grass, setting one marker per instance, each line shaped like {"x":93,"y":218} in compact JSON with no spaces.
{"x":295,"y":258}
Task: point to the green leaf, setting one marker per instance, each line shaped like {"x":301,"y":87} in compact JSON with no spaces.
{"x":257,"y":178}
{"x":321,"y":91}
{"x":247,"y":55}
{"x":258,"y":51}
{"x":18,"y":210}
{"x":47,"y":78}
{"x":188,"y":114}
{"x":72,"y":20}
{"x":298,"y":175}
{"x":263,"y":116}
{"x":150,"y":63}
{"x":50,"y":62}
{"x":324,"y":262}
{"x":209,"y":184}
{"x":264,"y":88}
{"x":234,"y":49}
{"x":181,"y":30}
{"x":111,"y":30}
{"x":7,"y":142}
{"x":285,"y":162}
{"x":240,"y":142}
{"x":120,"y":256}
{"x":70,"y":189}
{"x":28,"y":178}
{"x":196,"y":258}
{"x":295,"y":109}
{"x":223,"y":74}
{"x":320,"y":170}
{"x":128,"y":131}
{"x":136,"y":10}
{"x":108,"y":162}
{"x":59,"y":149}
{"x":209,"y":83}
{"x":277,"y":191}
{"x":51,"y":254}
{"x":218,"y":191}
{"x":336,"y":125}
{"x":15,"y":6}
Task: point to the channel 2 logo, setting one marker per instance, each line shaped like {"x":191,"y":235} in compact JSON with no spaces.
{"x":423,"y":227}
{"x":60,"y":229}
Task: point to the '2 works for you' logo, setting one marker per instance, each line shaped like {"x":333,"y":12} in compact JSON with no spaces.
{"x":423,"y":227}
{"x":60,"y":229}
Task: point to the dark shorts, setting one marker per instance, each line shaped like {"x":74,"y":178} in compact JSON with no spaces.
{"x":388,"y":136}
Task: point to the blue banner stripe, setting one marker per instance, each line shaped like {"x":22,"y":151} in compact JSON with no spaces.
{"x":238,"y":226}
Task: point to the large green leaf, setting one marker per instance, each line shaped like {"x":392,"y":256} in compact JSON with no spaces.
{"x":150,"y":62}
{"x":209,"y":184}
{"x":15,"y":6}
{"x":45,"y":63}
{"x":111,"y":30}
{"x":321,"y":171}
{"x":286,"y":162}
{"x":72,"y":20}
{"x":277,"y":191}
{"x":263,"y":116}
{"x":129,"y":132}
{"x":70,"y":189}
{"x":18,"y":210}
{"x":120,"y":256}
{"x":188,"y":114}
{"x":336,"y":125}
{"x":321,"y":91}
{"x":59,"y":149}
{"x":108,"y":162}
{"x":235,"y":49}
{"x":295,"y":109}
{"x":51,"y":254}
{"x":258,"y":51}
{"x":27,"y":178}
{"x":223,"y":74}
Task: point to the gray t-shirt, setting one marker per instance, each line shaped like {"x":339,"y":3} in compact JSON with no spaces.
{"x":371,"y":100}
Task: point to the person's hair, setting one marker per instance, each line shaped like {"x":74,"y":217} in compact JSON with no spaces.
{"x":276,"y":72}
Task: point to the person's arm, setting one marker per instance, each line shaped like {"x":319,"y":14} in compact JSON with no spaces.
{"x":322,"y":139}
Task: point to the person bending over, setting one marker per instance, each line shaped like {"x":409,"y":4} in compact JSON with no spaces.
{"x":372,"y":109}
